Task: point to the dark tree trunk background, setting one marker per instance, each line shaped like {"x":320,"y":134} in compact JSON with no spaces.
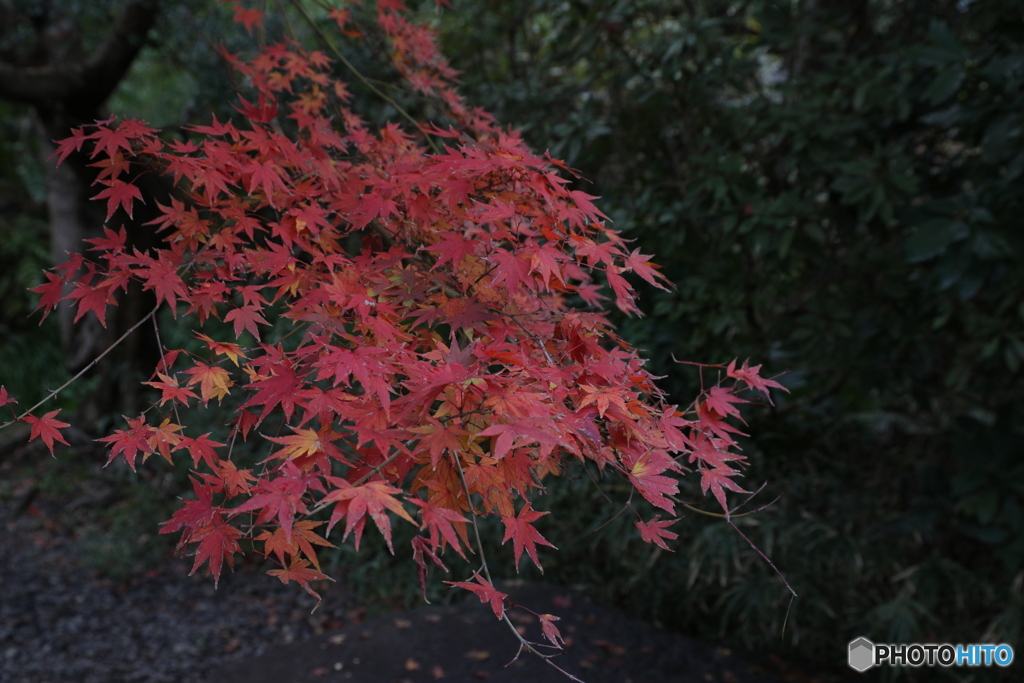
{"x":48,"y":68}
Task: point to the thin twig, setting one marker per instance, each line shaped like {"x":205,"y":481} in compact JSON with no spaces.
{"x":523,"y":642}
{"x":627,"y":506}
{"x":531,"y":334}
{"x":358,"y":74}
{"x":163,"y":362}
{"x":718,"y":514}
{"x":375,"y":469}
{"x":764,"y":557}
{"x":749,"y":498}
{"x":84,"y":370}
{"x":446,"y":418}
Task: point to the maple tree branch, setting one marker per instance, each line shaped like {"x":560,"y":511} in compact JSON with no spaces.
{"x":376,"y":469}
{"x":763,"y":557}
{"x":749,"y":498}
{"x":446,"y":418}
{"x":532,"y":336}
{"x":234,"y":437}
{"x":363,"y":79}
{"x":732,"y":514}
{"x":81,"y":372}
{"x":706,"y":513}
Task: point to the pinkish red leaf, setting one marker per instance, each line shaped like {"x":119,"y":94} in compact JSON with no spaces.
{"x":46,"y":427}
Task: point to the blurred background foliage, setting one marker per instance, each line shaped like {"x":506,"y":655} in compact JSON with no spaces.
{"x":833,"y":187}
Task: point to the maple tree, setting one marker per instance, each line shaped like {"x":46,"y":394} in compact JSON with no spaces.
{"x":438,"y":365}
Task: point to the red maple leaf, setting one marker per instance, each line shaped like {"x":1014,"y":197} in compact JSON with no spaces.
{"x":263,"y":175}
{"x":717,"y":479}
{"x":213,"y":380}
{"x":512,"y":270}
{"x":201,"y":448}
{"x":722,"y":400}
{"x":217,"y":541}
{"x":752,"y":378}
{"x":113,"y":242}
{"x":656,"y":531}
{"x":4,"y":398}
{"x":436,"y":437}
{"x":250,"y":18}
{"x":624,"y":299}
{"x":120,"y":193}
{"x":163,"y":438}
{"x":162,"y":277}
{"x":46,"y":427}
{"x":639,"y":264}
{"x":278,"y":389}
{"x":246,"y":318}
{"x":711,"y":419}
{"x":439,"y":521}
{"x":129,"y":442}
{"x":648,"y":479}
{"x":281,"y":499}
{"x":354,"y":502}
{"x":523,"y":535}
{"x":170,"y":390}
{"x":550,"y":631}
{"x":303,"y":539}
{"x":452,"y":247}
{"x":110,"y":139}
{"x":236,"y":481}
{"x":95,"y":299}
{"x":70,"y":144}
{"x":528,"y":430}
{"x":51,"y":291}
{"x":299,"y":572}
{"x":421,"y":552}
{"x":193,"y":514}
{"x":486,"y":592}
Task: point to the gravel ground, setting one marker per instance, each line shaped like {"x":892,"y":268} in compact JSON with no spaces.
{"x":62,"y":622}
{"x":59,"y":623}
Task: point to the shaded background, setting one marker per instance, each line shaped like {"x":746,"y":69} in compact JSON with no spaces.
{"x":834,"y":187}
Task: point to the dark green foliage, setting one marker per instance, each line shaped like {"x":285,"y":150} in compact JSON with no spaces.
{"x":834,"y":188}
{"x":30,"y":359}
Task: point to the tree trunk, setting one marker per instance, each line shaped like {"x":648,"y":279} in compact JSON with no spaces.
{"x":68,"y":88}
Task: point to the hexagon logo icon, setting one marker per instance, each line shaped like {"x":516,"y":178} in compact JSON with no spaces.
{"x":862,"y":654}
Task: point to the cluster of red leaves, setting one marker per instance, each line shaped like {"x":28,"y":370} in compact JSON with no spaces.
{"x":436,"y":366}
